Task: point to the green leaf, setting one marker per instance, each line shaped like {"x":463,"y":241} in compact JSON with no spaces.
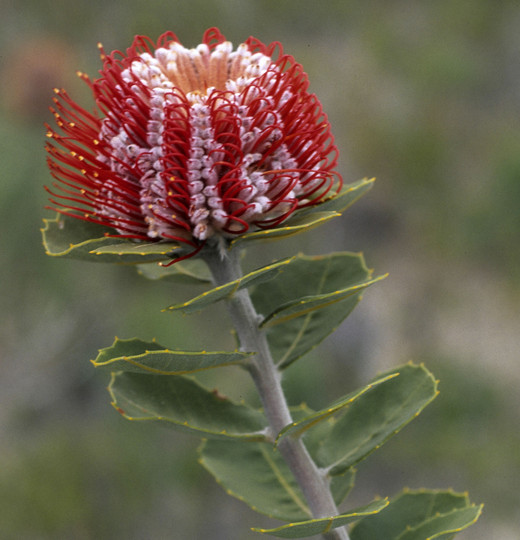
{"x":314,"y":527}
{"x":295,"y":225}
{"x":342,"y":484}
{"x":376,"y":416}
{"x":184,"y":404}
{"x":134,"y":355}
{"x":139,"y":252}
{"x":308,"y":300}
{"x":189,"y":271}
{"x":78,"y":239}
{"x":310,"y":217}
{"x":306,"y":305}
{"x":257,"y":475}
{"x":419,"y":515}
{"x":296,"y":429}
{"x":228,"y":289}
{"x":296,"y":337}
{"x":349,"y":194}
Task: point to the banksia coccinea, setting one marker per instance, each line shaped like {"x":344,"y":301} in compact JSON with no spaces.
{"x":187,"y":144}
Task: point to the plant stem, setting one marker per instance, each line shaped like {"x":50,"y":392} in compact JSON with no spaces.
{"x":225,"y":267}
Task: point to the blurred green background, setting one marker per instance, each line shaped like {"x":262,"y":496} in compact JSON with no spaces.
{"x":423,"y":95}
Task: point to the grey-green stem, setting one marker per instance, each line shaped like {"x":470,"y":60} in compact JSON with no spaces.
{"x":225,"y":267}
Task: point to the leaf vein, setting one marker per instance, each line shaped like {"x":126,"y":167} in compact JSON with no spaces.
{"x":283,"y":482}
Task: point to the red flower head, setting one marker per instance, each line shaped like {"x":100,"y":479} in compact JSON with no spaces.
{"x":192,"y":143}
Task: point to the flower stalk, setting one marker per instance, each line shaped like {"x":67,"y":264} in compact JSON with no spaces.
{"x":225,"y":267}
{"x":184,"y":151}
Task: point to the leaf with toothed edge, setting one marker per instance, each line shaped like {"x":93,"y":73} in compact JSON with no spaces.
{"x":348,"y":195}
{"x":308,"y":304}
{"x":181,"y":402}
{"x":308,"y":300}
{"x":340,"y":485}
{"x":313,"y":527}
{"x":375,"y":416}
{"x":256,"y":474}
{"x":74,"y":238}
{"x":134,"y":355}
{"x":296,"y":337}
{"x":228,"y":289}
{"x":141,"y":251}
{"x":419,"y":515}
{"x":189,"y":271}
{"x":295,"y":225}
{"x":299,"y":427}
{"x":309,"y":217}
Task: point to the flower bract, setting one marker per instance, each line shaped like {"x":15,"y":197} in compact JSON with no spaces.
{"x":188,"y":144}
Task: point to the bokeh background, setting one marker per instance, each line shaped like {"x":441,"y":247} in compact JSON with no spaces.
{"x":423,"y":95}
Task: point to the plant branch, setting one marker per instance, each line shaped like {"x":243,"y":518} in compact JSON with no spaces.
{"x":225,"y":267}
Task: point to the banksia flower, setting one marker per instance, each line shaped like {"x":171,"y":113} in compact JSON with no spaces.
{"x":187,"y":144}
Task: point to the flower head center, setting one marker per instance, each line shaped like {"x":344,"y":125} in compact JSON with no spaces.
{"x":197,"y":71}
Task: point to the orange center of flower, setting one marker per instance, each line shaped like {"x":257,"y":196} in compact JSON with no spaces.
{"x":195,"y":71}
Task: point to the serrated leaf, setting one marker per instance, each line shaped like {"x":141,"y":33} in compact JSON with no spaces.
{"x":189,"y":271}
{"x":419,"y":515}
{"x":138,"y":252}
{"x":296,"y":337}
{"x":308,"y":300}
{"x":136,"y":356}
{"x":309,"y":304}
{"x":78,"y":239}
{"x":376,"y":416}
{"x":297,"y":428}
{"x":184,"y":404}
{"x":340,"y":485}
{"x":228,"y":289}
{"x":314,"y":527}
{"x":295,"y":225}
{"x":310,"y":217}
{"x":257,"y":475}
{"x":444,"y":525}
{"x":348,"y":195}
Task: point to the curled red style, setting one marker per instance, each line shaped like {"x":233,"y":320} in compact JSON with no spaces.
{"x":185,"y":144}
